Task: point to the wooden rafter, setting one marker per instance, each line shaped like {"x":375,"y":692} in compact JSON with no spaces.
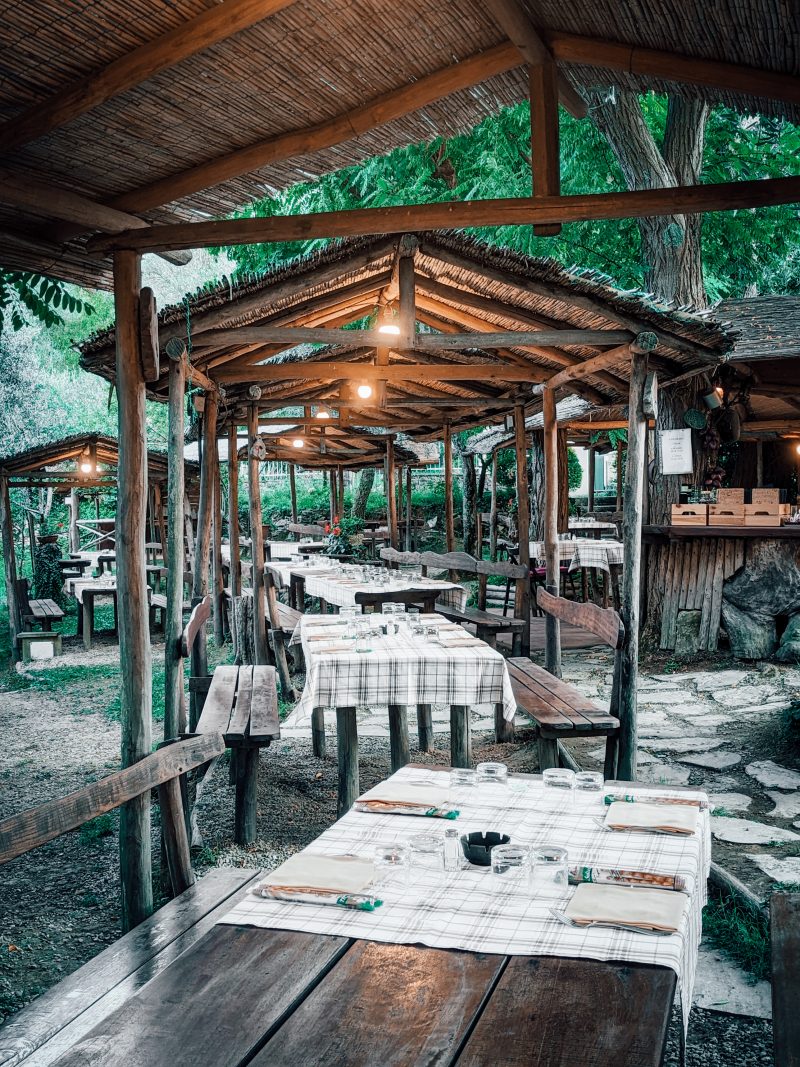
{"x":545,"y":157}
{"x":395,"y":372}
{"x":296,"y":335}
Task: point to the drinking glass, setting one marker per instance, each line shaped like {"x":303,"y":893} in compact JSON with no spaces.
{"x":392,"y":865}
{"x":589,"y":782}
{"x":427,"y":851}
{"x":364,"y":637}
{"x":558,"y":778}
{"x":549,"y":869}
{"x":511,"y":864}
{"x":491,"y":774}
{"x":463,"y":781}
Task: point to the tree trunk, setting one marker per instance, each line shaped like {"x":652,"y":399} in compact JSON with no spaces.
{"x":670,"y":250}
{"x":536,"y":482}
{"x":366,"y":480}
{"x":563,"y":483}
{"x":469,"y":491}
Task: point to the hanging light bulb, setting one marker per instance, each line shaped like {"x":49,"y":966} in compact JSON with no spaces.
{"x":323,"y":414}
{"x":389,"y":327}
{"x":298,"y":442}
{"x":86,"y":466}
{"x":364,"y":391}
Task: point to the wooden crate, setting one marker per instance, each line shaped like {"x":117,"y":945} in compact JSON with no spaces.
{"x":690,"y":514}
{"x":765,"y":496}
{"x":766,"y":514}
{"x":730,"y":496}
{"x":726,"y":514}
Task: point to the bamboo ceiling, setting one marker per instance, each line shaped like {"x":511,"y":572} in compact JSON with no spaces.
{"x":282,"y":67}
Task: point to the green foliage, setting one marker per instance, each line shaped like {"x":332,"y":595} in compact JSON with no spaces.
{"x":48,"y":581}
{"x":739,"y":933}
{"x":25,"y":296}
{"x":94,"y":829}
{"x":574,"y":470}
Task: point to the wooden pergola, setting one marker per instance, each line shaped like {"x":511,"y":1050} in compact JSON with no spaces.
{"x":147,"y":122}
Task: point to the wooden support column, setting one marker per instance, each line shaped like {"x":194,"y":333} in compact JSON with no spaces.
{"x":134,"y":636}
{"x":407,"y":296}
{"x":175,"y":718}
{"x":216,"y":552}
{"x":409,"y":545}
{"x":10,"y":564}
{"x":391,"y":492}
{"x":293,"y":494}
{"x":205,"y":508}
{"x":256,"y":541}
{"x":74,"y":509}
{"x":552,"y":651}
{"x":340,"y":479}
{"x":449,"y":518}
{"x":546,"y":172}
{"x":493,"y":509}
{"x":522,"y":601}
{"x":631,"y":576}
{"x":619,"y":476}
{"x":331,"y":494}
{"x":759,"y":464}
{"x":233,"y":513}
{"x":591,"y":476}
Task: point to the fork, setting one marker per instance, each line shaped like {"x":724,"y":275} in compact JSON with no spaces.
{"x":565,"y":919}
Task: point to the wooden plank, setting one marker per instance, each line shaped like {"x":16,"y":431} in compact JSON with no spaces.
{"x":421,"y":1004}
{"x":217,"y":709}
{"x":201,"y":613}
{"x":543,"y":78}
{"x":66,"y":1012}
{"x":544,"y":1011}
{"x":567,"y":702}
{"x":423,"y":342}
{"x":240,"y":717}
{"x":148,"y":334}
{"x":235,"y":986}
{"x":605,"y":623}
{"x":669,"y":593}
{"x":784,"y":909}
{"x":264,"y":719}
{"x":511,"y":211}
{"x":35,"y":827}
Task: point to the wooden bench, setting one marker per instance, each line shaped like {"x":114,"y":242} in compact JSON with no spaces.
{"x":43,"y":612}
{"x":784,"y":910}
{"x":301,"y":530}
{"x":559,"y":709}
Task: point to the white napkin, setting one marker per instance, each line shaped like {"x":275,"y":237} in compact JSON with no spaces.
{"x":317,"y":872}
{"x":651,"y":909}
{"x":671,"y":818}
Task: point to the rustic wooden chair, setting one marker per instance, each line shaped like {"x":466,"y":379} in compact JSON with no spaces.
{"x":784,"y":911}
{"x":193,"y":648}
{"x":559,"y":709}
{"x":282,"y":622}
{"x":162,"y":770}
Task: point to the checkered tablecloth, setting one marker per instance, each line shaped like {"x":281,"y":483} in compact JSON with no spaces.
{"x":334,"y":584}
{"x":287,"y":549}
{"x":590,"y":524}
{"x":566,"y":551}
{"x":472,"y":911}
{"x":77,"y":586}
{"x":399,"y":669}
{"x":582,"y":553}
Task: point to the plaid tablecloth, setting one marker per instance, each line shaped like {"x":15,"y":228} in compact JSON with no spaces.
{"x":337,"y":587}
{"x":400,"y":669}
{"x":77,"y":586}
{"x":566,"y":551}
{"x":590,"y":524}
{"x":582,"y":552}
{"x":470,"y":910}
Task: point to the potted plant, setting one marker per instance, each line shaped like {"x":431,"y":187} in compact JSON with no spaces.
{"x":344,"y":537}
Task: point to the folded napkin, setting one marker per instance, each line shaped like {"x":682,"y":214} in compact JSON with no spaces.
{"x":320,"y":637}
{"x":669,"y":818}
{"x":460,"y":642}
{"x":402,"y":798}
{"x":310,"y":877}
{"x":337,"y":646}
{"x":647,"y":909}
{"x":652,"y":798}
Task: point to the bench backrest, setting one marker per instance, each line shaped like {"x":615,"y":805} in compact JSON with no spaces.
{"x":461,"y":563}
{"x":393,"y":558}
{"x":604,"y":623}
{"x":29,"y":829}
{"x":306,"y":529}
{"x":201,"y":613}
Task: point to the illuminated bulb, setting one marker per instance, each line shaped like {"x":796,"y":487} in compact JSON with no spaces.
{"x":86,"y":467}
{"x":798,"y":448}
{"x":298,"y":442}
{"x":389,"y":327}
{"x":323,"y":415}
{"x":364,"y":391}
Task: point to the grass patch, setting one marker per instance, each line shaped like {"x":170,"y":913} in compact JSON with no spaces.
{"x":738,"y":932}
{"x":94,"y":829}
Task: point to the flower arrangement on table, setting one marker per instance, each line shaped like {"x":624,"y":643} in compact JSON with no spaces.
{"x":345,"y":536}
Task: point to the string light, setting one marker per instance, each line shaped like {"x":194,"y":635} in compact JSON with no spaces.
{"x":364,"y":391}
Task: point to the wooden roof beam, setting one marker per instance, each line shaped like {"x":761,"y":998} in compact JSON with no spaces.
{"x":296,"y":335}
{"x":588,"y":368}
{"x":508,"y":211}
{"x":195,"y":35}
{"x":514,"y":22}
{"x":394,"y":372}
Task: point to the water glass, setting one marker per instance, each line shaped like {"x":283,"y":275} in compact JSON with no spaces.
{"x":427,"y":851}
{"x":589,"y":782}
{"x":491,"y":774}
{"x":511,"y":864}
{"x":549,"y":868}
{"x":558,"y":778}
{"x":364,"y":638}
{"x":392,"y":865}
{"x":463,"y":781}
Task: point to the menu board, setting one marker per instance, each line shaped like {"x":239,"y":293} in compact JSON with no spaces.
{"x":675,"y":451}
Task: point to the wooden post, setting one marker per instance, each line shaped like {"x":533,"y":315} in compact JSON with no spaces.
{"x":10,"y":564}
{"x":341,"y":492}
{"x":619,"y":476}
{"x":631,"y":577}
{"x":449,"y":520}
{"x":175,"y":720}
{"x":293,"y":494}
{"x":256,"y":541}
{"x":406,"y":296}
{"x":134,"y":636}
{"x":493,"y":509}
{"x":552,"y":652}
{"x":409,"y":544}
{"x":399,"y":499}
{"x":391,"y":497}
{"x":759,"y":464}
{"x":331,"y":494}
{"x":205,"y":508}
{"x":522,"y":599}
{"x":217,"y":583}
{"x":233,"y":513}
{"x":74,"y":510}
{"x":591,"y":472}
{"x":546,"y":178}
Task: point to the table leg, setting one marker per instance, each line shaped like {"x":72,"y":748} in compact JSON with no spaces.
{"x":584,"y":585}
{"x":615,"y":570}
{"x":318,"y":732}
{"x":398,"y":736}
{"x":460,"y":736}
{"x":246,"y":786}
{"x":347,"y":746}
{"x":503,"y":729}
{"x":46,"y":624}
{"x":79,"y":617}
{"x":87,"y":609}
{"x":425,"y":727}
{"x":323,"y":606}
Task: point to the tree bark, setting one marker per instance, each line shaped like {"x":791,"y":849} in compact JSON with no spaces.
{"x":563,"y":483}
{"x":670,"y":249}
{"x":469,"y":493}
{"x":366,"y":480}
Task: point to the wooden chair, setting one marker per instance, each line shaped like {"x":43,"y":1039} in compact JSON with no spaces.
{"x":784,"y":911}
{"x":41,"y":613}
{"x":162,"y":770}
{"x":193,"y":648}
{"x":559,"y":709}
{"x":282,"y":622}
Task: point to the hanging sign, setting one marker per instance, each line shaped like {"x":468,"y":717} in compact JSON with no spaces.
{"x":675,"y":451}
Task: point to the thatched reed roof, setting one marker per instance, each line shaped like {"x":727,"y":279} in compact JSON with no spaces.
{"x":462,"y":286}
{"x":309,"y":63}
{"x":763,"y":327}
{"x":56,"y":457}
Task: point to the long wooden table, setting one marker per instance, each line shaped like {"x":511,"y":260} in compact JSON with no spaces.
{"x":181,"y":990}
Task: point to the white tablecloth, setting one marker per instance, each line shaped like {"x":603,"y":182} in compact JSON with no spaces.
{"x":336,"y":586}
{"x":582,"y":552}
{"x":472,"y":911}
{"x":400,"y":669}
{"x":590,"y":524}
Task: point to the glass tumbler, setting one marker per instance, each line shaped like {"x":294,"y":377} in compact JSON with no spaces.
{"x":511,"y":864}
{"x":589,"y":782}
{"x":427,"y":851}
{"x":392,"y":865}
{"x":549,"y":869}
{"x":558,"y":778}
{"x":491,"y":774}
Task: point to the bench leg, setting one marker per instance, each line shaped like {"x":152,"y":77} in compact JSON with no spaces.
{"x":503,"y":729}
{"x":279,"y":654}
{"x":610,"y":764}
{"x":460,"y":736}
{"x":318,"y":732}
{"x":88,"y":619}
{"x":516,"y":643}
{"x":425,"y":727}
{"x":398,"y":736}
{"x":487,"y":635}
{"x":246,"y":785}
{"x":347,"y":746}
{"x":548,"y":752}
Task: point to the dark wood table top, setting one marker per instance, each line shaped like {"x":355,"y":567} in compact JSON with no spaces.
{"x":181,"y":990}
